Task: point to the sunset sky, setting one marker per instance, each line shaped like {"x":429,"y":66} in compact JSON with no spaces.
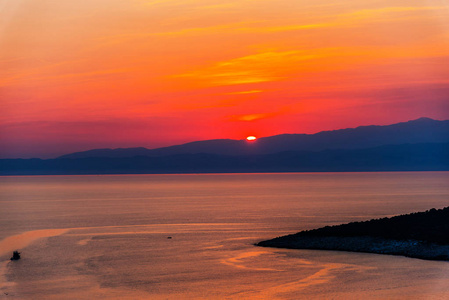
{"x":77,"y":75}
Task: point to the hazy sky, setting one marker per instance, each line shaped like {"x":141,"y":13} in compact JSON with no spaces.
{"x":76,"y":75}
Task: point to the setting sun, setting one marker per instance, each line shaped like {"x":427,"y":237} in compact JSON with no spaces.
{"x":251,"y":138}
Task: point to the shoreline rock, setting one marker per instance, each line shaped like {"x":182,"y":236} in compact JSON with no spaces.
{"x":381,"y":236}
{"x":363,"y":244}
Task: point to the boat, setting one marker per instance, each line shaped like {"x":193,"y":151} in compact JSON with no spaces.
{"x":15,"y":255}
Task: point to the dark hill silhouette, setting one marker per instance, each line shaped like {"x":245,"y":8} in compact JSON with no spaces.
{"x":423,"y":130}
{"x":421,"y":235}
{"x":407,"y":157}
{"x":219,"y":146}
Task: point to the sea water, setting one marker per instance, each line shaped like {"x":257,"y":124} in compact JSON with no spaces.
{"x":192,"y":236}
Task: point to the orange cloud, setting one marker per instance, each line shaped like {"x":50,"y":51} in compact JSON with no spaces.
{"x":244,"y":92}
{"x":255,"y":68}
{"x":252,"y":117}
{"x":353,"y":18}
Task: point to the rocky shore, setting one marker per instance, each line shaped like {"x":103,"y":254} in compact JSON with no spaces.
{"x":418,"y":235}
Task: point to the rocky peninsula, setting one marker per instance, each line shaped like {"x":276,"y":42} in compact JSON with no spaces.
{"x":423,"y":235}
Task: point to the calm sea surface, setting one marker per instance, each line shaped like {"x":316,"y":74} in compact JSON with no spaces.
{"x":93,"y":237}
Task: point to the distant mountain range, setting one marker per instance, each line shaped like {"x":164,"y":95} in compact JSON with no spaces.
{"x":423,"y":130}
{"x":418,"y":145}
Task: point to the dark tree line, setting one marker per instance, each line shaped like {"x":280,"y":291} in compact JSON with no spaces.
{"x":430,"y":226}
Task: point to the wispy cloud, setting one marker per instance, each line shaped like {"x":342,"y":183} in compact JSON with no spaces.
{"x":251,"y":117}
{"x":86,"y":75}
{"x":260,"y":67}
{"x":231,"y":27}
{"x":340,"y":20}
{"x":244,"y":92}
{"x":366,"y":13}
{"x":195,"y":3}
{"x":351,"y":18}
